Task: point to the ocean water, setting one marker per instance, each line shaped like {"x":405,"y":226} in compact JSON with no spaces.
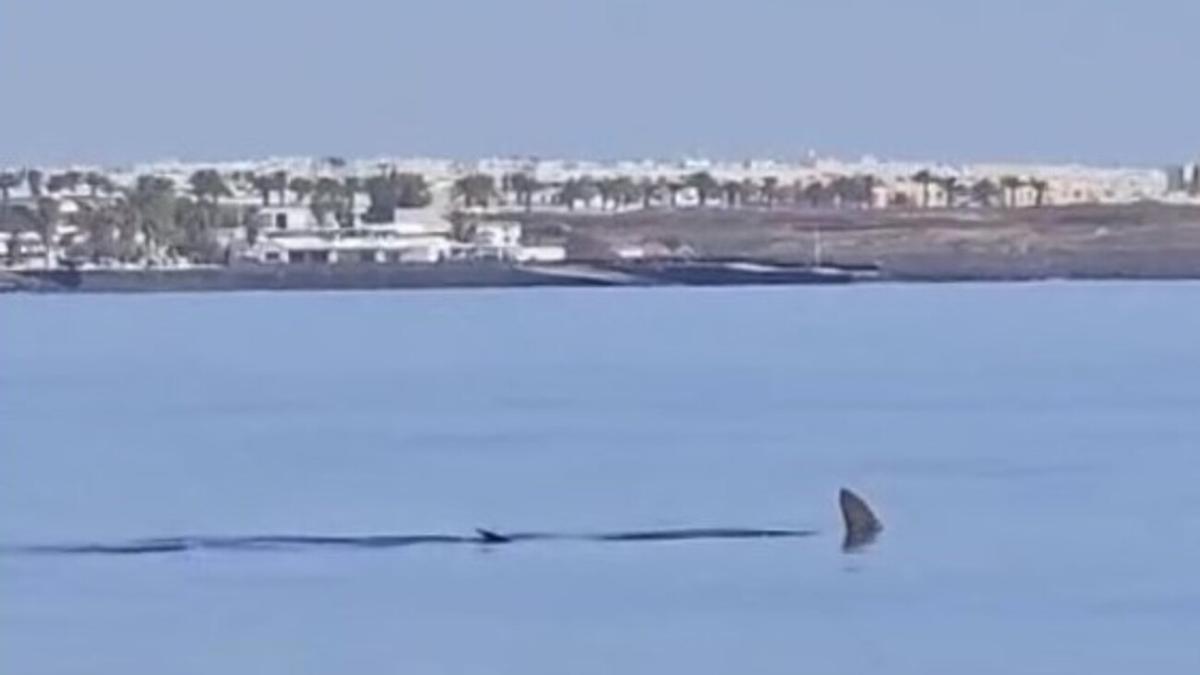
{"x":1031,"y":448}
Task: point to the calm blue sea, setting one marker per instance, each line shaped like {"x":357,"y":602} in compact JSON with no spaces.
{"x":1032,"y":449}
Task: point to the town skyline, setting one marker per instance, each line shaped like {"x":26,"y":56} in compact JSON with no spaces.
{"x":808,"y":158}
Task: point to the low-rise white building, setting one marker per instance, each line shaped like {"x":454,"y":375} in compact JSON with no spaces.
{"x":540,"y":254}
{"x":350,"y":247}
{"x":290,"y":218}
{"x":500,"y":234}
{"x":398,"y":243}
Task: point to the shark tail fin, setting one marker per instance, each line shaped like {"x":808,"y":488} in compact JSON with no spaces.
{"x":862,"y":525}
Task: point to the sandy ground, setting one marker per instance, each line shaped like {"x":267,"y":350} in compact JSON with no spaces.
{"x":1141,"y":240}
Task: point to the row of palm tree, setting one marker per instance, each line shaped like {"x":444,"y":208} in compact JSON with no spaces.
{"x":392,"y":191}
{"x":146,"y":202}
{"x":481,"y":190}
{"x":67,"y":181}
{"x":144,"y":221}
{"x":325,"y":195}
{"x":983,"y":192}
{"x":623,"y":191}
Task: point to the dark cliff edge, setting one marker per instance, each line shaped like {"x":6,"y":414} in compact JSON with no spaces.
{"x":916,"y":269}
{"x":464,"y":275}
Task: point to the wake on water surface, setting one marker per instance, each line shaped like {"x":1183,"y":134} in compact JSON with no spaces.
{"x":302,"y":542}
{"x":861,"y":527}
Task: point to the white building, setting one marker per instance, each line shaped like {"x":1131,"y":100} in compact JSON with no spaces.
{"x":499,"y":234}
{"x":351,"y":247}
{"x":290,"y":218}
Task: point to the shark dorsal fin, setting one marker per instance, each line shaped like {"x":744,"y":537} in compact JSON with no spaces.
{"x":861,"y":523}
{"x":490,"y":537}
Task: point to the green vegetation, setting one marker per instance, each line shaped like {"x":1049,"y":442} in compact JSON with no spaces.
{"x":302,"y":187}
{"x":151,"y":220}
{"x":1011,"y":184}
{"x":395,"y":191}
{"x":985,"y":192}
{"x":8,"y":181}
{"x":35,"y":180}
{"x":704,"y":184}
{"x":523,"y":186}
{"x":477,"y":189}
{"x":924,"y":177}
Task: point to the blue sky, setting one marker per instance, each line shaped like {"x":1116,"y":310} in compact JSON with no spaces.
{"x":1090,"y":80}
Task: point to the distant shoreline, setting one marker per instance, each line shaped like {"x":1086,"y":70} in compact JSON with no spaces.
{"x":744,"y":246}
{"x":494,"y":276}
{"x":416,"y":276}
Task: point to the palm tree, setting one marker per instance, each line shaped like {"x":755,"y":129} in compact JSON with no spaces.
{"x":127,"y":226}
{"x":328,"y":197}
{"x":302,"y":187}
{"x":674,"y":187}
{"x":279,"y":180}
{"x":524,"y":185}
{"x":72,"y":179}
{"x":462,"y":226}
{"x":475,"y":189}
{"x":13,"y":250}
{"x":101,"y":224}
{"x":770,"y":187}
{"x":264,"y":185}
{"x":569,"y":193}
{"x":575,"y":190}
{"x":412,"y":191}
{"x":209,"y":187}
{"x":795,"y":191}
{"x":741,"y":191}
{"x":867,"y":184}
{"x":384,"y":195}
{"x":8,"y":181}
{"x":843,"y":190}
{"x":951,"y":187}
{"x":35,"y":177}
{"x":751,"y":190}
{"x":392,"y":191}
{"x":208,"y":184}
{"x":605,"y":186}
{"x":705,"y":185}
{"x":56,"y":183}
{"x":730,"y":191}
{"x":924,"y":177}
{"x":93,"y":180}
{"x":252,"y":224}
{"x":984,"y":191}
{"x":47,"y":218}
{"x":589,"y":189}
{"x":192,"y":221}
{"x":1011,"y":184}
{"x":153,"y":209}
{"x":351,"y":185}
{"x":1039,"y":190}
{"x":648,"y":189}
{"x":815,"y":193}
{"x":624,"y":191}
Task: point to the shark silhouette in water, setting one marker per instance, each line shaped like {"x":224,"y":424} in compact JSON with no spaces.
{"x":861,"y":528}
